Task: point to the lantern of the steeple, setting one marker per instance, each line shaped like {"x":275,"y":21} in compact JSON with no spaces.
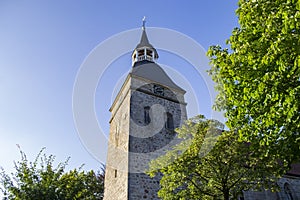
{"x":144,"y":50}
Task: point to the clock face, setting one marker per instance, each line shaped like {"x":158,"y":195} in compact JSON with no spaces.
{"x":158,"y":90}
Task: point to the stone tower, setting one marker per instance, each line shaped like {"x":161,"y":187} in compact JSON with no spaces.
{"x":144,"y":114}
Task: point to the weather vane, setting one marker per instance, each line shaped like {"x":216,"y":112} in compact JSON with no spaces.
{"x":144,"y":21}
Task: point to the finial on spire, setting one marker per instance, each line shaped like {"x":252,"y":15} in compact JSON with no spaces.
{"x":144,"y":22}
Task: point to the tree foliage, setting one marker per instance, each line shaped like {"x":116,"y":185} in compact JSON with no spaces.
{"x":40,"y":180}
{"x":258,"y":77}
{"x":211,"y":164}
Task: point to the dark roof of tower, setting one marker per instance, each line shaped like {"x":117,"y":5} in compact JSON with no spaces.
{"x":153,"y":72}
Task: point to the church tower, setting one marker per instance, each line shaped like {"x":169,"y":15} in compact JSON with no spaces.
{"x":144,"y":114}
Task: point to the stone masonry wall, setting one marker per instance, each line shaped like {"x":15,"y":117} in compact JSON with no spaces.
{"x":133,"y":143}
{"x":147,"y":142}
{"x":289,"y":190}
{"x":116,"y":175}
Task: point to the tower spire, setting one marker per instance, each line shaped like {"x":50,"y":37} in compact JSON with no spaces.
{"x":144,"y":50}
{"x":144,"y":22}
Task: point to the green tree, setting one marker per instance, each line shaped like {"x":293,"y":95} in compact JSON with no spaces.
{"x":40,"y":180}
{"x":259,"y":77}
{"x":211,"y":164}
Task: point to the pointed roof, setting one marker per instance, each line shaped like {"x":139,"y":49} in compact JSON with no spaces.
{"x":148,"y":69}
{"x":144,"y":42}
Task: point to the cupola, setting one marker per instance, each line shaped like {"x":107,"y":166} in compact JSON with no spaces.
{"x":144,"y":50}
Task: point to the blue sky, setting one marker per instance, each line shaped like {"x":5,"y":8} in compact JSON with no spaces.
{"x":44,"y":43}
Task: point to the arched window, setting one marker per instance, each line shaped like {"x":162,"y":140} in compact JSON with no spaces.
{"x":147,"y":119}
{"x":288,"y":191}
{"x":169,"y":122}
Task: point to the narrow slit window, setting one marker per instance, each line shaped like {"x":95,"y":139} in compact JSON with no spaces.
{"x":147,"y":115}
{"x":116,"y":173}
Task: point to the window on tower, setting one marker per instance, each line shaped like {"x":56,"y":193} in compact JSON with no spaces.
{"x":141,"y":52}
{"x":158,"y":90}
{"x":169,"y":123}
{"x":116,"y":173}
{"x":147,"y":115}
{"x":149,"y":52}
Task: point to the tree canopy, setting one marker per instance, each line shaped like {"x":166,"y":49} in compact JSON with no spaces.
{"x":259,"y":77}
{"x":210,"y":163}
{"x":40,"y":180}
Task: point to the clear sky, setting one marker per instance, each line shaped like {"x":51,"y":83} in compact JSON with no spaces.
{"x":44,"y":43}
